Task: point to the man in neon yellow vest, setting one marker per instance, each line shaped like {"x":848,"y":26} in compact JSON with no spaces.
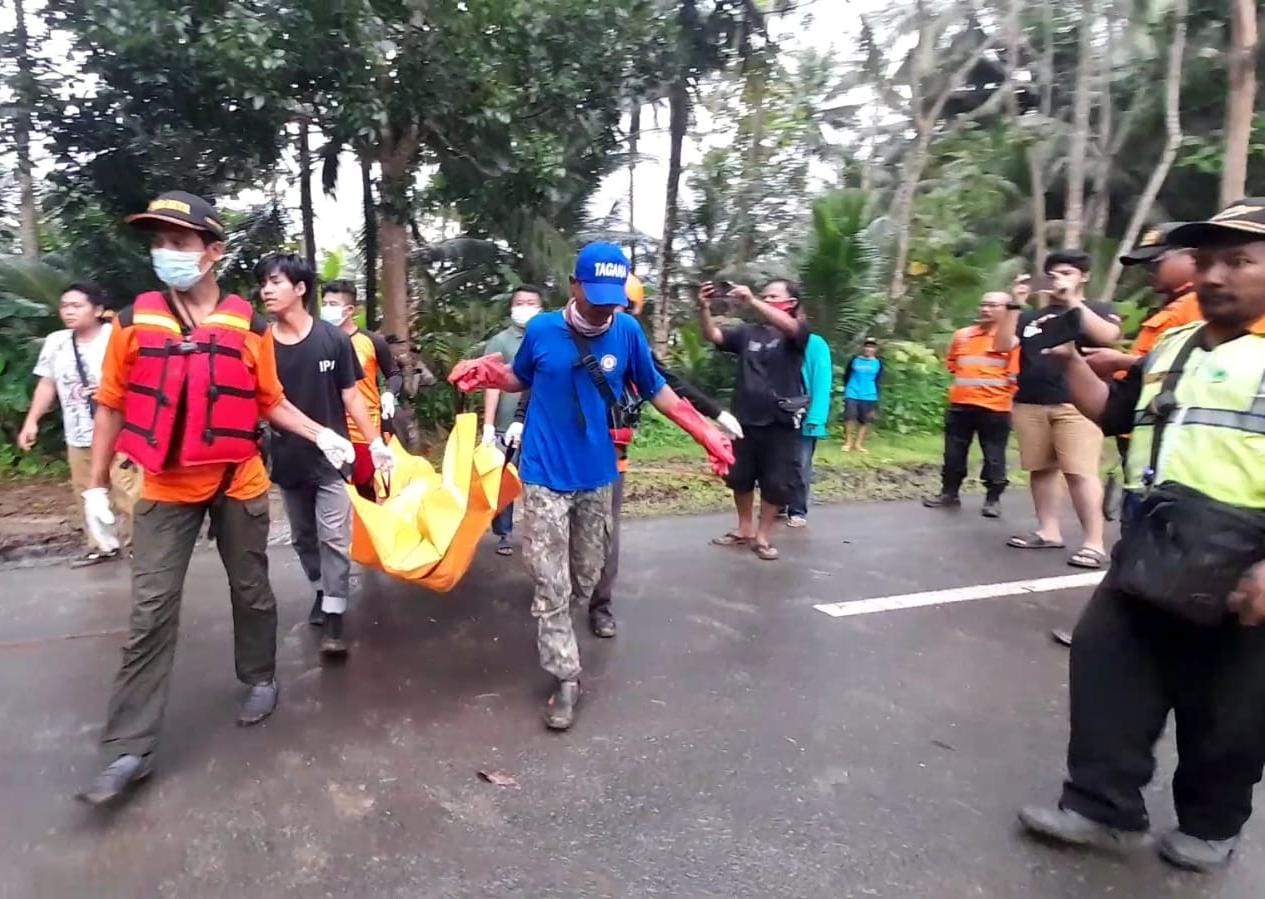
{"x":1139,"y":651}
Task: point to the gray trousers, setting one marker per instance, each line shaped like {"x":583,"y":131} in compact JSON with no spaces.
{"x":320,"y":531}
{"x":163,"y":541}
{"x":565,"y":541}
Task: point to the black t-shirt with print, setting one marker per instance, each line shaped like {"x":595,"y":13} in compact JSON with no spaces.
{"x":314,"y":373}
{"x":1041,"y":380}
{"x":770,"y":366}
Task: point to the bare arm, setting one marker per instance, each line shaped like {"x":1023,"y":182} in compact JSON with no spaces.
{"x":106,"y":426}
{"x":1098,"y":330}
{"x":706,"y":326}
{"x":1006,"y":337}
{"x":665,"y":400}
{"x":359,"y":413}
{"x":784,"y":322}
{"x":41,"y":401}
{"x":286,"y":416}
{"x":491,"y":398}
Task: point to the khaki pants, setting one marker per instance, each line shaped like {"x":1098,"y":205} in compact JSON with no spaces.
{"x":165,"y":537}
{"x":1057,"y":437}
{"x":125,"y":488}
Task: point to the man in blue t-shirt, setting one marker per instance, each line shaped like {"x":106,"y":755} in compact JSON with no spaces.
{"x":860,"y":395}
{"x":576,"y":363}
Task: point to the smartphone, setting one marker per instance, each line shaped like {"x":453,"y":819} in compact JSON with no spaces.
{"x":723,"y":288}
{"x":1053,"y":331}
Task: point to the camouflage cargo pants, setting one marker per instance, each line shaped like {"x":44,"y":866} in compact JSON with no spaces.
{"x":565,"y":538}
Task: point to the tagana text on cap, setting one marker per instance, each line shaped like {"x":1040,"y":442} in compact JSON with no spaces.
{"x":602,"y":270}
{"x":1244,"y":221}
{"x":182,"y":209}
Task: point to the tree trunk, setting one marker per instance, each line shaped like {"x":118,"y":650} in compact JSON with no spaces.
{"x":678,"y":121}
{"x":1100,"y":204}
{"x":370,"y":208}
{"x":1240,"y":100}
{"x":1036,"y":180}
{"x":903,"y":213}
{"x":1074,"y":213}
{"x":634,"y":135}
{"x":28,"y":215}
{"x":306,"y":212}
{"x":396,"y":159}
{"x":1172,"y":141}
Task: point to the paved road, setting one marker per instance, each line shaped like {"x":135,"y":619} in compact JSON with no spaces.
{"x":734,"y":741}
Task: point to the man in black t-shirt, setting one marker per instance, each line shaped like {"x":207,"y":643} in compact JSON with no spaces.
{"x":318,"y":368}
{"x":770,"y":404}
{"x":1054,"y":438}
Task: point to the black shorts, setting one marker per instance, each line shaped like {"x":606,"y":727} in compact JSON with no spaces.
{"x":770,"y":458}
{"x":861,"y":411}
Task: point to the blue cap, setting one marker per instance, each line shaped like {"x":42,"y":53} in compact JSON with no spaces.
{"x":602,"y":270}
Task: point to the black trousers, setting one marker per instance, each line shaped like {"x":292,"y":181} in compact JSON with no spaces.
{"x":961,"y":425}
{"x":1130,"y":665}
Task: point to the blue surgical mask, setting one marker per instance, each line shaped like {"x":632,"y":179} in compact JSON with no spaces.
{"x":332,"y":314}
{"x":179,"y":269}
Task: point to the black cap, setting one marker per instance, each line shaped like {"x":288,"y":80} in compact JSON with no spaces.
{"x":1244,"y":221}
{"x":1153,"y":244}
{"x":185,"y":210}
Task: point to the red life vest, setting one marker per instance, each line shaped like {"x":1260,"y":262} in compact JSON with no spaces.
{"x":190,"y":396}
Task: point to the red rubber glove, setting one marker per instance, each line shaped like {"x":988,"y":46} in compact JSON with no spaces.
{"x":720,"y":451}
{"x":488,"y":371}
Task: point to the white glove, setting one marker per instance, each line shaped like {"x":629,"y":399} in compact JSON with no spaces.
{"x":383,"y":459}
{"x":727,"y":423}
{"x":514,"y":434}
{"x":387,"y":403}
{"x":99,"y":518}
{"x":338,"y":450}
{"x":489,"y":435}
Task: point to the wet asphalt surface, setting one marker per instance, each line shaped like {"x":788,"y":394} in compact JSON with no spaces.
{"x":732,"y":741}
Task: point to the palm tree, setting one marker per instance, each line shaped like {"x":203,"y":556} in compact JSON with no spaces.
{"x":842,"y":272}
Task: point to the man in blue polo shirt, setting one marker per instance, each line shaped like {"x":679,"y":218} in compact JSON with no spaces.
{"x":568,"y":463}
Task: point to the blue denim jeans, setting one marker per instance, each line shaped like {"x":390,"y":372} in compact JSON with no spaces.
{"x":799,"y":506}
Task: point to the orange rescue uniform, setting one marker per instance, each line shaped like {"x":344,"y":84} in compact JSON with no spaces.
{"x":196,"y":483}
{"x":982,"y":376}
{"x":1181,"y":311}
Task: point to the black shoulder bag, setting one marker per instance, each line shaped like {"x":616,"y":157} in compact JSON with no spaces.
{"x":1184,"y":552}
{"x":625,"y":412}
{"x":83,"y":376}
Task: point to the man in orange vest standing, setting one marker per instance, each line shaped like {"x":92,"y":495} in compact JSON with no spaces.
{"x":980,"y":399}
{"x":188,"y":374}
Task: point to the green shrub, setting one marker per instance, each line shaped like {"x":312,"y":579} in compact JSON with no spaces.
{"x":914,"y":388}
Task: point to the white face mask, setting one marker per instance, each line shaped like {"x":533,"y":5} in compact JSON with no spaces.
{"x":333,"y":314}
{"x":521,"y":315}
{"x":180,"y":269}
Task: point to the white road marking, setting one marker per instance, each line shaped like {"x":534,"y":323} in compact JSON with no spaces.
{"x":958,"y":594}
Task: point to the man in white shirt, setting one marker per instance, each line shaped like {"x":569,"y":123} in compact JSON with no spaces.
{"x":69,"y":370}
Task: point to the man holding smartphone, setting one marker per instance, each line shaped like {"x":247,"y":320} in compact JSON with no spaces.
{"x":1054,"y":438}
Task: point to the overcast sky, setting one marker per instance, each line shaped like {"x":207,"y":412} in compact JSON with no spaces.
{"x":821,"y":24}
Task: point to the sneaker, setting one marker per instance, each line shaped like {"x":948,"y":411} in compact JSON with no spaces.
{"x":260,"y":702}
{"x":942,"y":501}
{"x":316,"y":617}
{"x":992,"y":508}
{"x":560,"y":712}
{"x":332,"y":642}
{"x":797,"y":521}
{"x":601,"y":621}
{"x":1193,"y":854}
{"x":1074,"y":829}
{"x":117,"y":777}
{"x":504,"y":547}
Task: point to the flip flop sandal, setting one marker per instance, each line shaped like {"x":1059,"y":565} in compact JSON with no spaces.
{"x":1087,"y":558}
{"x":1033,"y":541}
{"x":733,"y":538}
{"x":764,"y":552}
{"x":94,"y":558}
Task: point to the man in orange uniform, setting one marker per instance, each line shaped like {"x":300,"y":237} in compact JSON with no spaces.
{"x":980,"y":400}
{"x":188,"y":374}
{"x":339,"y":307}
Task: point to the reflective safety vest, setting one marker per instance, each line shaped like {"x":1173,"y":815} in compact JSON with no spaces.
{"x":190,"y":396}
{"x":1214,"y":441}
{"x":981,"y":376}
